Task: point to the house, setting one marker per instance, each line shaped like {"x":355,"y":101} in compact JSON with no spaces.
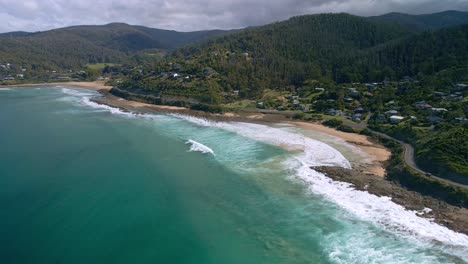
{"x":371,"y":87}
{"x":332,"y":112}
{"x":422,"y":105}
{"x":354,"y":92}
{"x":396,"y":119}
{"x":439,"y":109}
{"x":260,"y":105}
{"x":359,"y":110}
{"x":348,"y":100}
{"x":391,"y":112}
{"x":461,"y":120}
{"x":235,"y":92}
{"x":304,"y":107}
{"x":356,"y":117}
{"x":20,"y":76}
{"x":461,"y":86}
{"x":319,"y":89}
{"x":9,"y":78}
{"x":439,"y":93}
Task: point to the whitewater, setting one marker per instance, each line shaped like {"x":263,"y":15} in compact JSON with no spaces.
{"x":306,"y":153}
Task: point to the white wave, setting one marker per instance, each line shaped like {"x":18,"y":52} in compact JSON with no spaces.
{"x":199,"y":147}
{"x":308,"y":153}
{"x":316,"y":153}
{"x":381,"y":210}
{"x":77,"y":93}
{"x":5,"y":89}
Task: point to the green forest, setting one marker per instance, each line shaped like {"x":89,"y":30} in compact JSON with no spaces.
{"x":407,"y":74}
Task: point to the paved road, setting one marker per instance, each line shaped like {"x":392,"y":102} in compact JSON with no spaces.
{"x":408,"y":152}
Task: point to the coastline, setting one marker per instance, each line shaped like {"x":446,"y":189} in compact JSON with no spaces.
{"x":366,"y":176}
{"x":96,"y":85}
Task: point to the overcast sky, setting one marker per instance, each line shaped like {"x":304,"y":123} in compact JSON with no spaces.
{"x":189,"y":15}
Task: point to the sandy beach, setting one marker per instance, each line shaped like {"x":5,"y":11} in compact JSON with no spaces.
{"x":367,"y":173}
{"x":372,"y":165}
{"x":96,"y":85}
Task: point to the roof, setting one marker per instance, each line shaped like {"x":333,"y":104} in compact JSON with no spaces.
{"x":395,"y":117}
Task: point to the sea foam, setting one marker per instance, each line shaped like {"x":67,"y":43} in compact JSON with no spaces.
{"x":307,"y":153}
{"x":199,"y":147}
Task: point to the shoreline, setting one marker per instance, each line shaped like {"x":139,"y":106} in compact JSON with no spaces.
{"x":366,"y":176}
{"x":95,"y":85}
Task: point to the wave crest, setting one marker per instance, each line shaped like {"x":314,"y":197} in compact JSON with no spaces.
{"x":199,"y":147}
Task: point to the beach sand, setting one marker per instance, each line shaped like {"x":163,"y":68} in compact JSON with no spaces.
{"x":377,"y":153}
{"x":96,"y":85}
{"x":366,"y":175}
{"x":372,"y":165}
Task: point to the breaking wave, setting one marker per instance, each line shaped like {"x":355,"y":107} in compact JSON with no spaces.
{"x":199,"y":147}
{"x":307,"y":153}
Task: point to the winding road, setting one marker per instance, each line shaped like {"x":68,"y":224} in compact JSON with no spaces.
{"x":408,"y":154}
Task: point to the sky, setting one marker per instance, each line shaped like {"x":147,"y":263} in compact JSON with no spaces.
{"x":190,"y":15}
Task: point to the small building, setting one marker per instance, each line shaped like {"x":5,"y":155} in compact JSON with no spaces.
{"x":439,"y":109}
{"x":319,"y":90}
{"x":461,"y":87}
{"x":422,"y":105}
{"x":371,"y":87}
{"x":391,"y":112}
{"x":356,"y":117}
{"x":396,"y":119}
{"x":260,"y":105}
{"x":348,"y":100}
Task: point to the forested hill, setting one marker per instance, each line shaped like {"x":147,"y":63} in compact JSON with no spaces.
{"x":289,"y":52}
{"x":73,"y":47}
{"x":334,"y":47}
{"x":424,"y":22}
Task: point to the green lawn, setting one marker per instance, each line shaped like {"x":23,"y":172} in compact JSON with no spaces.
{"x":100,"y":66}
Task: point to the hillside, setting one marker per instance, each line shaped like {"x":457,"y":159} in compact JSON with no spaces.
{"x":73,"y":47}
{"x":318,"y":64}
{"x":426,"y":21}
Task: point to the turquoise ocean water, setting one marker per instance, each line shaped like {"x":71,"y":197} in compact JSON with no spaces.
{"x":83,"y":183}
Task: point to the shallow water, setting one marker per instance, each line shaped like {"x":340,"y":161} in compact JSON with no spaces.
{"x":84,"y":183}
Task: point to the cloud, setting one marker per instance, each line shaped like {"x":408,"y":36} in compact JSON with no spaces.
{"x":189,"y":15}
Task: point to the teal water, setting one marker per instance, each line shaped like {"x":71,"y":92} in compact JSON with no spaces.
{"x":81,"y":183}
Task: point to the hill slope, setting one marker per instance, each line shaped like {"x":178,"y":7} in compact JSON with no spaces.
{"x":73,"y":47}
{"x":424,"y":22}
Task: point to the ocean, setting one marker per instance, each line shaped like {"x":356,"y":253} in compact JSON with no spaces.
{"x":87,"y":183}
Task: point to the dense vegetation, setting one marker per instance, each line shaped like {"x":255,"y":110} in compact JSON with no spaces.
{"x":318,"y":63}
{"x":74,"y":47}
{"x":342,"y":65}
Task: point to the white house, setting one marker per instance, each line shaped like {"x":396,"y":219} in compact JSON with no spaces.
{"x":396,"y":119}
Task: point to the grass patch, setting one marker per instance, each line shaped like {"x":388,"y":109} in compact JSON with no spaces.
{"x":100,"y":66}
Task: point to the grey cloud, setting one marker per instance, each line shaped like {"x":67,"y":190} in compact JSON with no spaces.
{"x":189,"y":15}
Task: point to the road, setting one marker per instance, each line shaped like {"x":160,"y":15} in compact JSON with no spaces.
{"x":408,"y":152}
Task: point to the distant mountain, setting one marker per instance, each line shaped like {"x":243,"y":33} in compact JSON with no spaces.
{"x":424,"y":22}
{"x":78,"y":45}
